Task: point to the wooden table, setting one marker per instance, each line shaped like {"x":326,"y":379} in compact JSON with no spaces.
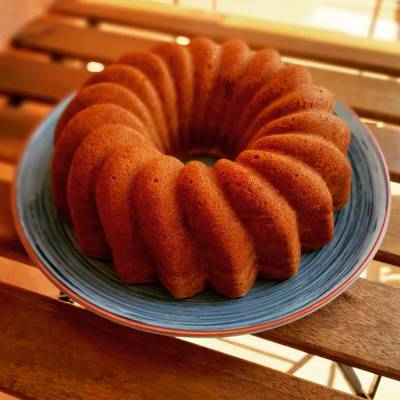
{"x":54,"y":350}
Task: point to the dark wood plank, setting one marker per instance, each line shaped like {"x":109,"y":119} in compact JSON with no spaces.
{"x":15,"y":125}
{"x":370,"y":97}
{"x":53,"y":350}
{"x":305,"y":42}
{"x":360,"y":328}
{"x":388,"y":138}
{"x":390,"y":248}
{"x":57,"y":38}
{"x":33,"y":79}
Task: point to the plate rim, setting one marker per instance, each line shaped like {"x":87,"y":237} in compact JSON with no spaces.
{"x":326,"y":299}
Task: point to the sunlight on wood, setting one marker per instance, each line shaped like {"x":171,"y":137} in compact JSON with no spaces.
{"x":6,"y":172}
{"x":136,"y":32}
{"x":395,"y":188}
{"x":346,"y":21}
{"x":26,"y":277}
{"x":4,"y":396}
{"x":259,"y":351}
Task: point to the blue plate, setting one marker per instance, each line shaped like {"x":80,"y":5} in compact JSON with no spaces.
{"x":323,"y":275}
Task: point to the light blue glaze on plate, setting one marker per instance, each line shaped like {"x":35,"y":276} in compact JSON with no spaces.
{"x":324,"y":274}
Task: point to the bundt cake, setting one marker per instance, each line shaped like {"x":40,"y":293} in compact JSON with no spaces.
{"x":123,"y":171}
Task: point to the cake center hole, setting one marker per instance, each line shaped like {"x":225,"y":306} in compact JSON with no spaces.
{"x":206,"y":159}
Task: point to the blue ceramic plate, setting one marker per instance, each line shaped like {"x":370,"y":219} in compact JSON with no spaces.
{"x":324,"y":274}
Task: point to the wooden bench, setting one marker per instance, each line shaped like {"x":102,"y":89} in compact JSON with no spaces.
{"x":50,"y":349}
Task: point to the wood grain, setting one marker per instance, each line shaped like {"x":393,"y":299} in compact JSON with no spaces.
{"x":370,"y":97}
{"x":307,"y":42}
{"x":32,"y":79}
{"x":15,"y":14}
{"x":10,"y":245}
{"x":360,"y":328}
{"x":51,"y":350}
{"x":390,"y":249}
{"x":15,"y":125}
{"x":57,"y":38}
{"x":388,"y":138}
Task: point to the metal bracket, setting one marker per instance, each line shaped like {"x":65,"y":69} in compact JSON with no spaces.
{"x":63,"y":297}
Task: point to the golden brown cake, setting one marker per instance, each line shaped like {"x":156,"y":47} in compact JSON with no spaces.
{"x":109,"y":93}
{"x":173,"y":249}
{"x":206,"y":56}
{"x":180,"y":65}
{"x":153,"y":66}
{"x":119,"y":172}
{"x":260,"y":68}
{"x":284,"y":81}
{"x":114,"y":199}
{"x":85,"y":168}
{"x":78,"y":127}
{"x":234,"y":58}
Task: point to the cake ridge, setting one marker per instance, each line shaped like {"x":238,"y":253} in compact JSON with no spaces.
{"x":179,"y":63}
{"x":284,"y":81}
{"x":334,"y":168}
{"x":157,"y":72}
{"x":263,"y":64}
{"x":206,"y":57}
{"x":272,"y":224}
{"x":85,"y":168}
{"x":225,"y":245}
{"x":313,"y":122}
{"x":235,"y":55}
{"x":303,"y":98}
{"x":311,"y":201}
{"x":76,"y":130}
{"x":137,"y":82}
{"x":119,"y":218}
{"x":108,"y":93}
{"x":173,"y":251}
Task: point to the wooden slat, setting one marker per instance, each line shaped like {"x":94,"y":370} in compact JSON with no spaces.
{"x":57,"y":38}
{"x":390,"y":248}
{"x":32,"y":79}
{"x":15,"y":125}
{"x":51,"y":350}
{"x":305,"y":42}
{"x":360,"y":328}
{"x":388,"y":138}
{"x":370,"y":97}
